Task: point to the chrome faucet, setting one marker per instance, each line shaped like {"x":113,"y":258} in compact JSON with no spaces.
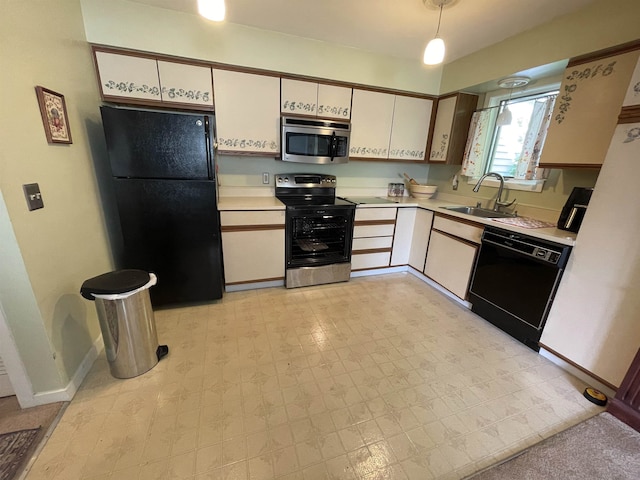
{"x":499,"y":203}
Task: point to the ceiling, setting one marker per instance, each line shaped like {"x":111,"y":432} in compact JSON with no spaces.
{"x":400,"y":28}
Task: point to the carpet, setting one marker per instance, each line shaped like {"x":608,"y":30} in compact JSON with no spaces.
{"x":601,"y":447}
{"x":13,"y":449}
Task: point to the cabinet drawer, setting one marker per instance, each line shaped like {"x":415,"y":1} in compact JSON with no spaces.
{"x":254,"y":217}
{"x":464,"y":230}
{"x":373,"y":231}
{"x":370,"y":260}
{"x":387,"y":213}
{"x":372,"y":242}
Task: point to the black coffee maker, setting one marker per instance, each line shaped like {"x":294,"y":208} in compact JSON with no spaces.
{"x":575,"y":208}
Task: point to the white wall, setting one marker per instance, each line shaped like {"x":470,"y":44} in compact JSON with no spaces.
{"x":56,"y":248}
{"x":602,"y":24}
{"x":132,"y":25}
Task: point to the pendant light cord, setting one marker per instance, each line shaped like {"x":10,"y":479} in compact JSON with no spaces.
{"x":439,"y":19}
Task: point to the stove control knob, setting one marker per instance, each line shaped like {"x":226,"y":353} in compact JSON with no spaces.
{"x":333,"y":180}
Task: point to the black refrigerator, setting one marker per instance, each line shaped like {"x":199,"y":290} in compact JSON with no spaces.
{"x":164,"y":183}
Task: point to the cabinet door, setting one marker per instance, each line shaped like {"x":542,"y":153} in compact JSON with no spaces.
{"x":298,"y":97}
{"x":633,"y":91}
{"x":586,"y":111}
{"x":247,"y":112}
{"x":371,"y":119}
{"x":241,"y":232}
{"x":410,"y":131}
{"x":450,"y":262}
{"x":442,"y":129}
{"x":130,"y":77}
{"x":420,"y":239}
{"x":244,"y":263}
{"x":403,"y":235}
{"x":181,"y":83}
{"x":334,"y":102}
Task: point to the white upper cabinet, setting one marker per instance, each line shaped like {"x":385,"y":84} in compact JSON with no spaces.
{"x":451,"y":129}
{"x":410,"y":132}
{"x":334,"y":101}
{"x":182,"y":83}
{"x":247,"y":112}
{"x":126,"y":76}
{"x":442,"y":130}
{"x":387,"y":126}
{"x":371,"y":121}
{"x":586,"y":111}
{"x":298,"y":97}
{"x":314,"y":99}
{"x":633,"y":91}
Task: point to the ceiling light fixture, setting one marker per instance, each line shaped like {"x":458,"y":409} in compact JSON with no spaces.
{"x":434,"y":52}
{"x":212,"y":9}
{"x":505,"y":117}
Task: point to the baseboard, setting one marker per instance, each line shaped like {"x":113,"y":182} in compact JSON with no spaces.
{"x":239,"y":287}
{"x":378,"y":271}
{"x":66,"y":394}
{"x":576,"y":372}
{"x":439,"y":287}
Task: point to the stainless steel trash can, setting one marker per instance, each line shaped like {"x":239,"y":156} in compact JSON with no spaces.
{"x":126,"y":320}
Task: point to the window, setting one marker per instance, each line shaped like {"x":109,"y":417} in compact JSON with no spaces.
{"x":510,"y":148}
{"x":505,"y":152}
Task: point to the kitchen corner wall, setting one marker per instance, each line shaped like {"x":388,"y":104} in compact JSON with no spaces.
{"x":46,"y":254}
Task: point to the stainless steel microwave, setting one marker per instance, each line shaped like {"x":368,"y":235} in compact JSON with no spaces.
{"x":310,"y":140}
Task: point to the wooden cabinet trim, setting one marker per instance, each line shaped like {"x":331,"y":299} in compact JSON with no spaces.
{"x":607,"y":52}
{"x":245,"y":282}
{"x":570,"y":165}
{"x":454,"y":237}
{"x":362,"y":223}
{"x":371,"y":250}
{"x":249,"y":228}
{"x":459,"y":220}
{"x":629,"y":114}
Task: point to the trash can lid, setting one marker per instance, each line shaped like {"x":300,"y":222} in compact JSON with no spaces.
{"x":120,"y":281}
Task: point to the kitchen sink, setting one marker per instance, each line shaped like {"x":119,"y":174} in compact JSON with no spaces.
{"x":480,"y":212}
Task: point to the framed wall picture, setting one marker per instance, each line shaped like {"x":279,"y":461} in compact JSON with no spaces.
{"x":54,"y":115}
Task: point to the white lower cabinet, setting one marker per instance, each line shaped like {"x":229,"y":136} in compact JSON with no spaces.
{"x":420,"y":239}
{"x":373,"y":238}
{"x":403,"y":236}
{"x":453,"y":247}
{"x":253,"y":246}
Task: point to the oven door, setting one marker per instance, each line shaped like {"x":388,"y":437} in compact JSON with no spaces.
{"x":318,"y":236}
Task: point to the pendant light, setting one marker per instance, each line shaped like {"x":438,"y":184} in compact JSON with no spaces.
{"x":434,"y":53}
{"x":212,"y":9}
{"x":505,"y":117}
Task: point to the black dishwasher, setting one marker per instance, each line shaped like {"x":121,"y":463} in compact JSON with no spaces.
{"x":515,"y":280}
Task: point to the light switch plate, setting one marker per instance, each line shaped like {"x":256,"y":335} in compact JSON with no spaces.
{"x":265,"y":178}
{"x":33,"y":196}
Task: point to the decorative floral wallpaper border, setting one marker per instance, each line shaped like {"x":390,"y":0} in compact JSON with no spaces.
{"x":179,"y":93}
{"x":131,"y":87}
{"x":248,"y":144}
{"x":632,"y":135}
{"x":575,"y":77}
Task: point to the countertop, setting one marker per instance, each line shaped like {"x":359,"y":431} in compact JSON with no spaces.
{"x":271,"y":203}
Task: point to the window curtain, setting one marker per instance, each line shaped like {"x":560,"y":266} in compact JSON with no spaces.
{"x":527,"y":168}
{"x":478,"y":142}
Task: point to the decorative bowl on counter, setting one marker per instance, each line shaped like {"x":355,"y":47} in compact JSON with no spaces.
{"x":422,"y":191}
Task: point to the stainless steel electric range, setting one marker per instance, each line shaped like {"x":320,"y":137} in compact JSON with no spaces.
{"x":319,"y":229}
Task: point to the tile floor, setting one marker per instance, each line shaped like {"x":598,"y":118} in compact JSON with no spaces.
{"x":379,"y":378}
